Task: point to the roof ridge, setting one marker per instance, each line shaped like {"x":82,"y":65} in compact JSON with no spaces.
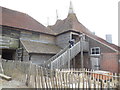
{"x":79,"y":27}
{"x":13,"y":10}
{"x":13,"y":18}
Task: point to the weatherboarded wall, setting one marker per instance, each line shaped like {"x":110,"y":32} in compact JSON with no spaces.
{"x":103,"y":48}
{"x":26,"y":55}
{"x":40,"y":58}
{"x":36,"y":58}
{"x":77,"y":59}
{"x":47,"y":38}
{"x":62,"y":40}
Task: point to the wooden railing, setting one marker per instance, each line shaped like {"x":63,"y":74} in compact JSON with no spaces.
{"x":64,"y":56}
{"x":56,"y":56}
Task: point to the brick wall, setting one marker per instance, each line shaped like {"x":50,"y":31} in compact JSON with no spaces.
{"x":109,"y":62}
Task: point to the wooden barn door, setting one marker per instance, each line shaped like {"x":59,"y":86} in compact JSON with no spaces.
{"x":95,"y":63}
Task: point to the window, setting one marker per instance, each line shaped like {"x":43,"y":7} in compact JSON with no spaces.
{"x":95,"y":51}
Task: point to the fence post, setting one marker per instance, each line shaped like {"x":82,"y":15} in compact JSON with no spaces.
{"x":28,"y":76}
{"x":39,"y":77}
{"x":61,"y":79}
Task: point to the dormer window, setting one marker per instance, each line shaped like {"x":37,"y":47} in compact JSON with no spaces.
{"x":95,"y":51}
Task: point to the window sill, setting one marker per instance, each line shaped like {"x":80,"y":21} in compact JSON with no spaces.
{"x":94,"y":54}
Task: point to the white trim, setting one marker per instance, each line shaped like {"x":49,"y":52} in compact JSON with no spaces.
{"x":94,"y":54}
{"x":95,"y":51}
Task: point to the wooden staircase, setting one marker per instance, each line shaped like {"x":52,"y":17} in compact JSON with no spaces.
{"x":64,"y":56}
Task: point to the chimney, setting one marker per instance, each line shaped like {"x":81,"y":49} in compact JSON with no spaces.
{"x":109,"y":38}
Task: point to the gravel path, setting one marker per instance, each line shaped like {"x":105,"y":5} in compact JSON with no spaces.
{"x":11,"y":84}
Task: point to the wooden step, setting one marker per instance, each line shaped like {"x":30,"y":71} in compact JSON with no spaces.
{"x":5,"y":77}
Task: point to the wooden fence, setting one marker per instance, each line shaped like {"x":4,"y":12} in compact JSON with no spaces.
{"x":38,"y":77}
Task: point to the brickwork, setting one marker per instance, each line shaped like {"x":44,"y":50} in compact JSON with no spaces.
{"x":109,"y":62}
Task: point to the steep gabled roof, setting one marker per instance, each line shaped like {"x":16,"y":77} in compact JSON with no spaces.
{"x":21,"y":20}
{"x":72,"y":23}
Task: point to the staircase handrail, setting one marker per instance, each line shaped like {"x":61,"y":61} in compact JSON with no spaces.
{"x":57,"y":63}
{"x":55,"y":56}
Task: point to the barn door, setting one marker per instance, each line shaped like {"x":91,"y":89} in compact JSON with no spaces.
{"x":95,"y":63}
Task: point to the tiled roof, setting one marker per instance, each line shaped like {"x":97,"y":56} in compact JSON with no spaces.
{"x":21,"y":20}
{"x":38,"y":47}
{"x":72,"y":23}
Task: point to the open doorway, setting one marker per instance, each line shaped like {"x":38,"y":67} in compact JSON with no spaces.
{"x":8,"y":54}
{"x":75,"y":37}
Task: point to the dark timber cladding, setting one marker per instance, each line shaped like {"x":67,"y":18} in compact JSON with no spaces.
{"x":12,"y":25}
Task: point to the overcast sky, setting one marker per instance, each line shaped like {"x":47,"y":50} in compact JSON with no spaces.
{"x":99,"y":16}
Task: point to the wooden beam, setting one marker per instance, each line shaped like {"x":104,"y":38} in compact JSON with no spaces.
{"x":5,"y":77}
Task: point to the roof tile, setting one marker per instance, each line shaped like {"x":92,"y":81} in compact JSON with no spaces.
{"x":21,"y":20}
{"x":72,"y":23}
{"x":38,"y":47}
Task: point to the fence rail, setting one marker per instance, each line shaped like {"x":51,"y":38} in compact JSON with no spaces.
{"x":38,"y":77}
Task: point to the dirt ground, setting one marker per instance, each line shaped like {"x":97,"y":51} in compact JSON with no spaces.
{"x":11,"y":84}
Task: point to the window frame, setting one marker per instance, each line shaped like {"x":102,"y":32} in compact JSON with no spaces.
{"x":95,"y":51}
